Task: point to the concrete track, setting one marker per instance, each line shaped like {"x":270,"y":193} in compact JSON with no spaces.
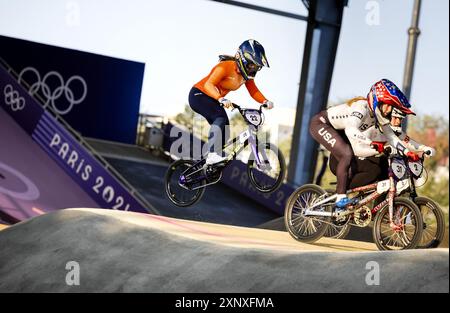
{"x":129,"y":252}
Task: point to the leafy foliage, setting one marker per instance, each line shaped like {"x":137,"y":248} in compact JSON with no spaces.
{"x":432,"y":131}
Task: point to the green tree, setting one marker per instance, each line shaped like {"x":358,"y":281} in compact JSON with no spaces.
{"x":433,"y":131}
{"x":420,"y":128}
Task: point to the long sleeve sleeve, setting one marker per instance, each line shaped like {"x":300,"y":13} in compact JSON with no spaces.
{"x":394,"y":140}
{"x":210,"y":86}
{"x":254,"y":91}
{"x":411,"y":144}
{"x":359,"y":141}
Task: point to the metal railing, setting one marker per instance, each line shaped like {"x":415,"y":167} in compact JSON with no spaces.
{"x":81,"y":140}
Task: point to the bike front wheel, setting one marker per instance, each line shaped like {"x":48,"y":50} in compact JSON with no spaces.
{"x":433,"y":223}
{"x":406,"y":230}
{"x":268,"y":176}
{"x":183,"y":192}
{"x":303,"y":228}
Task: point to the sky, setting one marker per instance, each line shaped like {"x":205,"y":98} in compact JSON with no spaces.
{"x":180,"y":40}
{"x":367,"y":53}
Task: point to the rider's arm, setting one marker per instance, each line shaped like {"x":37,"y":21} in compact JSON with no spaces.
{"x":353,"y":123}
{"x":214,"y":79}
{"x":410,"y":144}
{"x":363,"y":149}
{"x":414,"y":145}
{"x":359,"y":141}
{"x":254,"y":91}
{"x":393,"y":140}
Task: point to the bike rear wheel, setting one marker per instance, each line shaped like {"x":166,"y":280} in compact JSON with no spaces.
{"x":270,"y":178}
{"x":303,"y":228}
{"x":182,"y":194}
{"x":407,"y":217}
{"x":433,"y":223}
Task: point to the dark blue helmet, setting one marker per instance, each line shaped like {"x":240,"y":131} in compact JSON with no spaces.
{"x":250,"y":58}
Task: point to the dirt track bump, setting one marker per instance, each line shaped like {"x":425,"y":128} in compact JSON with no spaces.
{"x":123,"y":251}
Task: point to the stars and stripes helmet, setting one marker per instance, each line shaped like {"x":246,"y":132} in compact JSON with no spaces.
{"x":250,"y":58}
{"x":386,"y":92}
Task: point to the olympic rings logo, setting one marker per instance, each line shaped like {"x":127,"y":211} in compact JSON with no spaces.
{"x":62,"y":88}
{"x":13,"y":99}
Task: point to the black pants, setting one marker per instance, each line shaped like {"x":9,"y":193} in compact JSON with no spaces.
{"x":363,"y":172}
{"x":338,"y":145}
{"x":216,"y":116}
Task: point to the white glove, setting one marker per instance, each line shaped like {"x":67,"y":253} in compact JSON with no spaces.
{"x":269,"y":104}
{"x":225,"y":103}
{"x":429,"y":151}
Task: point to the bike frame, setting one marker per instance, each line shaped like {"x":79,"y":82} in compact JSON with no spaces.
{"x":373,"y":188}
{"x":392,"y":192}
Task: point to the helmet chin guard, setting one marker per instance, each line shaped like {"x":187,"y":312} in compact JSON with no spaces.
{"x":399,"y":115}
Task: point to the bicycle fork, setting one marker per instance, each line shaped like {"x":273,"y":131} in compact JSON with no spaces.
{"x":263,"y":164}
{"x":391,"y":196}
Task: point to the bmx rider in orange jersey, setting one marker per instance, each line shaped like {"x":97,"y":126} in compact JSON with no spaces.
{"x":207,"y":97}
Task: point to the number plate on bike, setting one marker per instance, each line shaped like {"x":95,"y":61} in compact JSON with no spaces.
{"x":398,"y":168}
{"x":416,"y":168}
{"x":402,"y":185}
{"x":253,"y":117}
{"x":244,"y":136}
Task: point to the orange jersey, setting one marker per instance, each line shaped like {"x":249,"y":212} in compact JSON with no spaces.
{"x":225,"y":77}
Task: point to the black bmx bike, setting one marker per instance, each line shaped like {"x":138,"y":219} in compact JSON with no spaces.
{"x":186,"y":179}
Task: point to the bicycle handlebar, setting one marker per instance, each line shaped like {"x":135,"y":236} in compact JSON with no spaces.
{"x":236,"y":106}
{"x":391,"y":152}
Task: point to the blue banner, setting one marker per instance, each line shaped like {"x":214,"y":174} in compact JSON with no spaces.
{"x":98,"y":96}
{"x":235,"y":176}
{"x":60,"y":145}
